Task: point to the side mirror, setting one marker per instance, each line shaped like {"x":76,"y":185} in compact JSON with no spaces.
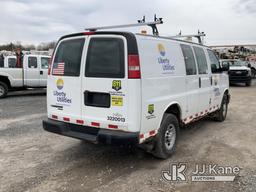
{"x":225,"y":67}
{"x":249,"y":65}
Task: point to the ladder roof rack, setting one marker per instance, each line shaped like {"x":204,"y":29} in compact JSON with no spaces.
{"x":142,"y":22}
{"x":199,"y":36}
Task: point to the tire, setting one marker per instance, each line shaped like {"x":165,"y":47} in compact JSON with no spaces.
{"x":165,"y":143}
{"x":221,"y":114}
{"x":253,"y":73}
{"x":3,"y":90}
{"x":248,"y":84}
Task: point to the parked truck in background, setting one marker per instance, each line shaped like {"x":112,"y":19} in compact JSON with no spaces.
{"x":253,"y":68}
{"x":32,"y":74}
{"x":239,"y":71}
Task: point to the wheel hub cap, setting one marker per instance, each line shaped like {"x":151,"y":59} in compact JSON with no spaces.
{"x":170,"y":136}
{"x":224,"y":109}
{"x":1,"y":90}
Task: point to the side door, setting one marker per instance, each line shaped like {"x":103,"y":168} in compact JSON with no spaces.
{"x":31,"y":73}
{"x":217,"y":78}
{"x":192,"y":84}
{"x":44,"y":64}
{"x":204,"y":80}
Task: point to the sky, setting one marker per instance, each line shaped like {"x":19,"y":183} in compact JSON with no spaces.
{"x":35,"y":21}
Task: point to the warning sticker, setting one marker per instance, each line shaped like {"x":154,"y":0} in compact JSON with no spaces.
{"x":117,"y":101}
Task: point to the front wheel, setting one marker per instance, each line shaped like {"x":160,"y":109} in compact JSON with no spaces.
{"x":253,"y":73}
{"x":248,"y":84}
{"x":3,"y":90}
{"x":221,"y":114}
{"x":166,"y":138}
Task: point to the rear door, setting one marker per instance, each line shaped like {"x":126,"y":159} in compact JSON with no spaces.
{"x":104,"y":82}
{"x":32,"y":76}
{"x":44,"y":64}
{"x":64,"y":83}
{"x":204,"y":80}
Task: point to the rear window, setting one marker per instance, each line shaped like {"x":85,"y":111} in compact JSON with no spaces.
{"x":32,"y":62}
{"x":11,"y":62}
{"x":1,"y":61}
{"x":105,"y":58}
{"x":67,"y":60}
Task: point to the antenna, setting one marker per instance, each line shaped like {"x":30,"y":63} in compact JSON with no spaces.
{"x":141,"y":22}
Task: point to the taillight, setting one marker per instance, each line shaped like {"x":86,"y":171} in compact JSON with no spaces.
{"x":50,"y":65}
{"x":133,"y":67}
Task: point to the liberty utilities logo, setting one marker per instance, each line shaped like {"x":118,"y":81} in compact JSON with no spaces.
{"x":166,"y":64}
{"x":61,"y":96}
{"x":176,"y":172}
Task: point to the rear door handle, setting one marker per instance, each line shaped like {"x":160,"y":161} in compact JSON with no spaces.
{"x":97,"y":99}
{"x":200,"y":82}
{"x":41,"y":72}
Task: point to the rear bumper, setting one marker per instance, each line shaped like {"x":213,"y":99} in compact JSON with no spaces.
{"x":91,"y":134}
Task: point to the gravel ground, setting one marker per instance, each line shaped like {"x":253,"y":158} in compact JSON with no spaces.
{"x":34,"y":160}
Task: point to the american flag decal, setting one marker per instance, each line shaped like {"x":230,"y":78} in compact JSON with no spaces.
{"x":58,"y":69}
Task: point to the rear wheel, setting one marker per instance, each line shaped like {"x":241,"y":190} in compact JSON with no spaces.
{"x":166,"y":138}
{"x":221,"y":114}
{"x":3,"y":90}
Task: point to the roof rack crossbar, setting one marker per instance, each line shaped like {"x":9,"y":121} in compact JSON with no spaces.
{"x":142,"y":22}
{"x":199,"y":36}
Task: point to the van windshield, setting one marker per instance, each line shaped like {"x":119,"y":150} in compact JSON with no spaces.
{"x":105,"y":58}
{"x":67,"y":60}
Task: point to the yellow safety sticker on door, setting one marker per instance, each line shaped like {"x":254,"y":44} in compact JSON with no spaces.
{"x":117,"y":101}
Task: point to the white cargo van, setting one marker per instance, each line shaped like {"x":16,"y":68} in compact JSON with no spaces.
{"x":33,"y":73}
{"x":120,"y":87}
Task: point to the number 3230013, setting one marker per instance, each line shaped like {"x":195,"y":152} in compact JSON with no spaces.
{"x":120,"y":119}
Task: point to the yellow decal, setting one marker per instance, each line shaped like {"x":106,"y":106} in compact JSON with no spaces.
{"x":117,"y":101}
{"x":116,"y":84}
{"x":151,"y":108}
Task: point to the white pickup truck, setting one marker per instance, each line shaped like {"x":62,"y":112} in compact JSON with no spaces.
{"x":33,"y":74}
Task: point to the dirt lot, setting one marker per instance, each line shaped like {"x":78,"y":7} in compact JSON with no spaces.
{"x":34,"y":160}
